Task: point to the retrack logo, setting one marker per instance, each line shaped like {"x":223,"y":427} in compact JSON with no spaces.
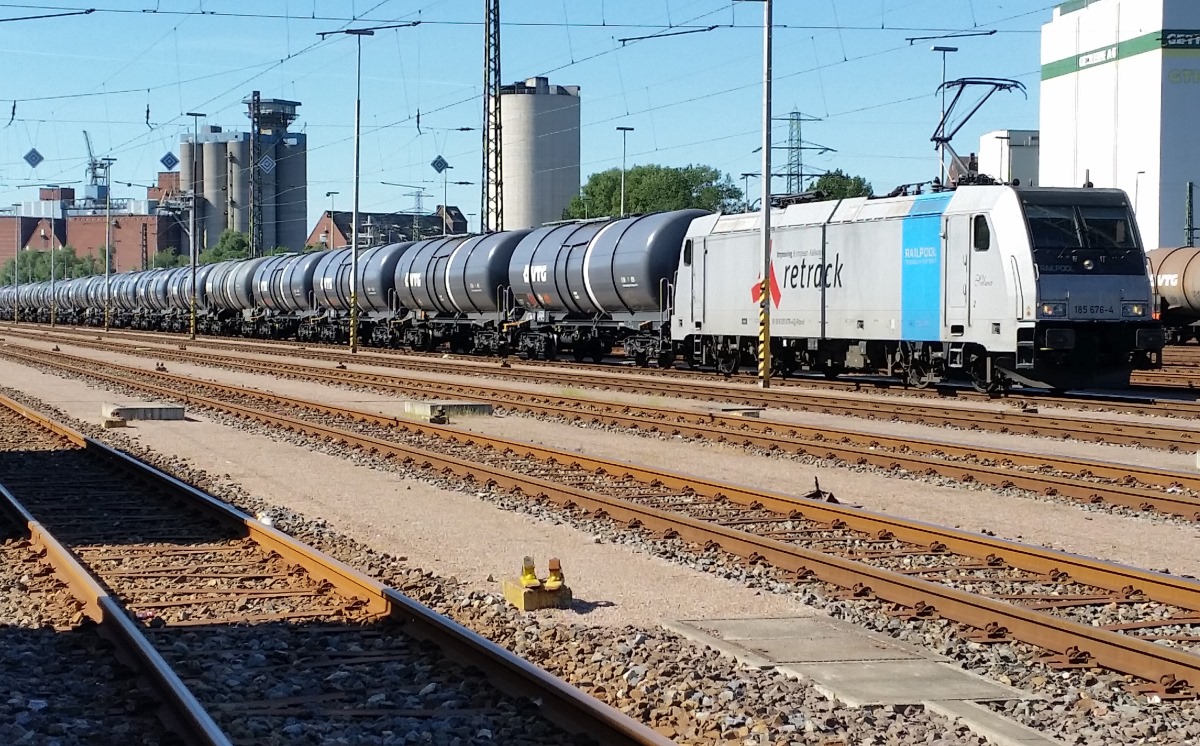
{"x":802,"y":276}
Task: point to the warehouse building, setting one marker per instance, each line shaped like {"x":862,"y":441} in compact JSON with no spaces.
{"x":1120,"y":97}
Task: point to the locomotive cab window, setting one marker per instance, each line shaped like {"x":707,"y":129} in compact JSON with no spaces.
{"x":982,"y":234}
{"x":1092,"y":235}
{"x":687,"y":253}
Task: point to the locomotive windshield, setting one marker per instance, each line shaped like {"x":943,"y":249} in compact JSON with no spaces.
{"x":1083,"y":236}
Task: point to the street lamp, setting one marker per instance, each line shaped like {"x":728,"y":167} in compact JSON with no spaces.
{"x":445,"y":198}
{"x":332,"y":224}
{"x":107,"y":240}
{"x":942,"y":146}
{"x":764,"y":291}
{"x":358,"y":34}
{"x":193,"y":249}
{"x":624,"y":134}
{"x":1137,"y":190}
{"x":746,"y":188}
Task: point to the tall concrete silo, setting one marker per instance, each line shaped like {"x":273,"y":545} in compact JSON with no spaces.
{"x":216,"y":182}
{"x":239,"y":185}
{"x":192,"y":180}
{"x":291,"y":191}
{"x":540,"y":140}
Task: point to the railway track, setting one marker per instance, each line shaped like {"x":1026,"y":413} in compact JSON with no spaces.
{"x":251,"y":637}
{"x":786,"y":393}
{"x":1089,"y":481}
{"x":1163,"y":435}
{"x":61,"y":680}
{"x":1084,"y":612}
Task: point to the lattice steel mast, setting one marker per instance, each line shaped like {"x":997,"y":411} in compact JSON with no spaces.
{"x":491,"y":209}
{"x":256,"y":199}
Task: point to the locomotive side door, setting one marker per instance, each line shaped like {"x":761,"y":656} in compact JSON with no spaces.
{"x":698,"y":254}
{"x":957,"y":264}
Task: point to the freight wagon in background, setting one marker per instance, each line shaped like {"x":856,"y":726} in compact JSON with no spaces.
{"x":991,"y":284}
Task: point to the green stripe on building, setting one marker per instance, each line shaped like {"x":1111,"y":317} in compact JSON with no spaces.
{"x":1122,"y":51}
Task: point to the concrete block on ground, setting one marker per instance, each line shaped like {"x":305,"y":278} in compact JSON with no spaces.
{"x":982,"y":721}
{"x":143,"y":411}
{"x":112,"y":422}
{"x":845,"y":662}
{"x":427,"y":409}
{"x":532,"y":599}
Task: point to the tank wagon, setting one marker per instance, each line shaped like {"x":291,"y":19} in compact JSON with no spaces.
{"x":1176,"y":274}
{"x":992,"y":284}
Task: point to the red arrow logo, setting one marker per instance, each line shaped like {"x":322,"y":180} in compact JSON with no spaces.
{"x":756,"y":289}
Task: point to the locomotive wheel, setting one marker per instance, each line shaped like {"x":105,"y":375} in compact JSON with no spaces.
{"x":918,"y":378}
{"x":666,"y":360}
{"x":727,"y":364}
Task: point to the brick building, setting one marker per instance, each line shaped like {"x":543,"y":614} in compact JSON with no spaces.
{"x":140,"y":228}
{"x":333,"y":228}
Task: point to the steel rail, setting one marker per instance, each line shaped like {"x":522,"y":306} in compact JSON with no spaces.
{"x":917,"y":456}
{"x":1162,"y":436}
{"x":556,"y":700}
{"x":1169,"y":667}
{"x":1132,"y":402}
{"x":183,"y":712}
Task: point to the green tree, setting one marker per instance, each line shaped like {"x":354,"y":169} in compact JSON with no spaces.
{"x":653,"y":188}
{"x":840,"y":185}
{"x":34,"y":266}
{"x":231,"y":245}
{"x":168,"y":258}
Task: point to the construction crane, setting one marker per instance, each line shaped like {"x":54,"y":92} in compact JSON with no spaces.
{"x":94,"y":167}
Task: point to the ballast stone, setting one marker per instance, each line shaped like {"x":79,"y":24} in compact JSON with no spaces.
{"x":142,"y":412}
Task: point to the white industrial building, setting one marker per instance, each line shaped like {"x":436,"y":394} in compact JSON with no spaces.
{"x":539,"y":137}
{"x":1120,"y":99}
{"x":1011,"y":156}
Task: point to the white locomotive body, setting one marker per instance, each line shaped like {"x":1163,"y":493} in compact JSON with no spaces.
{"x":1046,"y":287}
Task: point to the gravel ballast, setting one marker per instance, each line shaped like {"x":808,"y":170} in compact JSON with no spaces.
{"x":1058,"y":715}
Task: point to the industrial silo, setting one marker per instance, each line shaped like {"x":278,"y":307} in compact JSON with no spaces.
{"x":191,"y":181}
{"x":540,"y":141}
{"x":214,"y":154}
{"x":239,"y":185}
{"x":266,"y":178}
{"x":291,"y":191}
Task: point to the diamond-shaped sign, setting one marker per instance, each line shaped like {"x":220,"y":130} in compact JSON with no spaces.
{"x":33,"y":158}
{"x":169,"y":161}
{"x":267,"y":164}
{"x":440,"y":164}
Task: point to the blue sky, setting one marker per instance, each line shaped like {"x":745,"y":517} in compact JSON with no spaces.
{"x":693,"y":97}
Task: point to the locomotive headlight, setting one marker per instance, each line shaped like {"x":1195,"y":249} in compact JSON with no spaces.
{"x":1089,"y":264}
{"x":1053,"y":310}
{"x":1133,"y":310}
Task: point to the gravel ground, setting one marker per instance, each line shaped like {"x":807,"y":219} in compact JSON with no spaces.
{"x":60,"y":683}
{"x":1081,"y":708}
{"x":690,"y":694}
{"x":1141,"y":539}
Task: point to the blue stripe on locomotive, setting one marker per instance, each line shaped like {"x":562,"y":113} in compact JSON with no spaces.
{"x":921,"y":269}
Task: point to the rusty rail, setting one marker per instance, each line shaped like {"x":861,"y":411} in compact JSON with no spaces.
{"x":988,"y":466}
{"x":1171,"y":670}
{"x":557,"y":701}
{"x":790,"y":393}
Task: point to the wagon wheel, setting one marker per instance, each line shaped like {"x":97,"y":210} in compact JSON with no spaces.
{"x":918,"y":376}
{"x":727,"y":363}
{"x":666,"y":359}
